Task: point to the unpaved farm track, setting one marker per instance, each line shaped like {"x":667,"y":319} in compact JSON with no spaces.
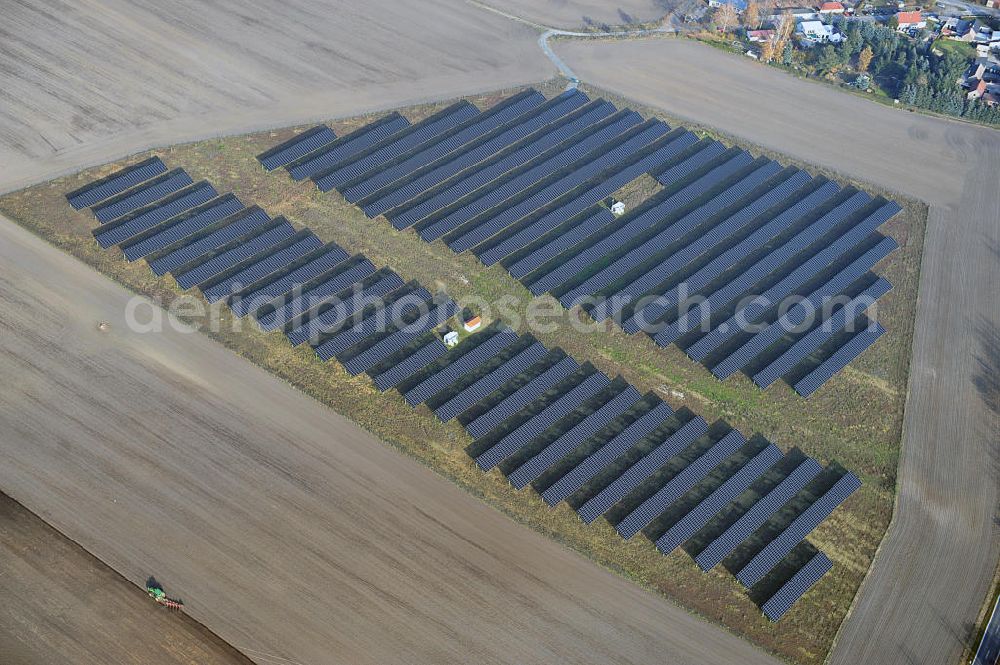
{"x":290,"y":532}
{"x":922,"y":596}
{"x":82,"y":83}
{"x":579,"y":13}
{"x":61,"y":606}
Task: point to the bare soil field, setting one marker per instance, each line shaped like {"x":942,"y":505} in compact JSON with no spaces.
{"x":866,"y":443}
{"x":570,"y":14}
{"x":61,"y":605}
{"x":287,"y":529}
{"x":85,"y":82}
{"x":920,"y":601}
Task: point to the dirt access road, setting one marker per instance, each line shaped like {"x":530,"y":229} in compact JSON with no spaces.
{"x":569,"y":14}
{"x":63,"y":606}
{"x":933,"y":571}
{"x":288,"y":531}
{"x":82,"y":83}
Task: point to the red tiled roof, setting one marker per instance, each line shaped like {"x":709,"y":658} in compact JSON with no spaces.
{"x":908,"y":17}
{"x":830,"y":6}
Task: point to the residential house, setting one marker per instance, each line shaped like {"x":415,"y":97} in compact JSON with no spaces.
{"x":831,"y":8}
{"x":816,"y":32}
{"x":963,"y":31}
{"x":759,"y":36}
{"x":798,"y":13}
{"x":910,"y":21}
{"x":739,"y":5}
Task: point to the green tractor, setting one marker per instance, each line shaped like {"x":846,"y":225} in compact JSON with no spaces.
{"x":157,"y":593}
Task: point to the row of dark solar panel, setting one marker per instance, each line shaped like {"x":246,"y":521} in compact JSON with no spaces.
{"x":626,"y":170}
{"x":485,"y":148}
{"x":485,"y":200}
{"x":796,"y":315}
{"x":671,"y":234}
{"x":297,"y":147}
{"x":778,"y":197}
{"x":614,"y":408}
{"x":342,"y":309}
{"x":778,"y":604}
{"x":412,"y":138}
{"x":543,"y":193}
{"x":100,"y":190}
{"x":468,"y":131}
{"x":730,"y":258}
{"x":765,"y":560}
{"x":559,"y":131}
{"x":511,"y":185}
{"x":644,"y":220}
{"x":704,"y":244}
{"x":346,"y":147}
{"x":260,"y":259}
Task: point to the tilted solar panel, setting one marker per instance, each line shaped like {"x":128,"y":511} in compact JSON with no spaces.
{"x":492,"y":381}
{"x":412,"y":364}
{"x":230,"y":258}
{"x":797,"y":314}
{"x":839,"y":360}
{"x":777,"y":605}
{"x":681,"y":261}
{"x":245,"y":223}
{"x":296,"y":147}
{"x":434,"y":317}
{"x":597,"y":461}
{"x":495,"y":167}
{"x":116,"y":183}
{"x":412,"y":138}
{"x":130,"y":227}
{"x":149,"y":192}
{"x":335,"y":317}
{"x":531,"y":469}
{"x":543,"y":194}
{"x":679,"y":485}
{"x":599,"y":221}
{"x":191,"y":223}
{"x":347,"y":146}
{"x":389,"y":315}
{"x":512,"y":185}
{"x":263,"y":267}
{"x":284,"y":313}
{"x":466,"y":363}
{"x":765,"y":560}
{"x":758,"y":514}
{"x":644,"y":220}
{"x":605,"y":183}
{"x":484,"y":123}
{"x":764,"y":170}
{"x":401,"y":194}
{"x":801,"y":274}
{"x":710,"y":506}
{"x":649,"y":464}
{"x":811,"y":341}
{"x":521,"y":398}
{"x":776,"y":258}
{"x":541,"y":421}
{"x":287,"y":279}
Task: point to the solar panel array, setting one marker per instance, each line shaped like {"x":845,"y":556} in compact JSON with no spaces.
{"x":297,"y":147}
{"x":526,"y":184}
{"x":577,"y":436}
{"x":264,"y":267}
{"x":544,"y":419}
{"x":778,"y":604}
